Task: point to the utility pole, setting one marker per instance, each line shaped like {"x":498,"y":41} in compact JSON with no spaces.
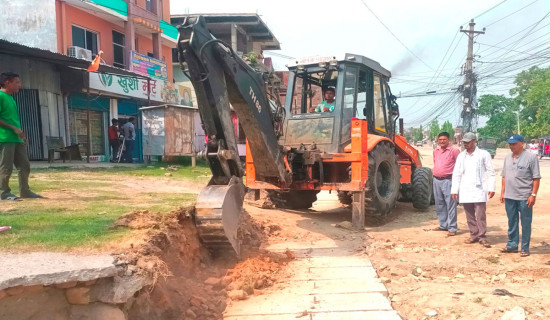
{"x":469,"y":90}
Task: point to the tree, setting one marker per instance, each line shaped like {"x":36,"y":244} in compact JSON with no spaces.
{"x":530,"y":101}
{"x":502,"y":115}
{"x":448,"y":127}
{"x":434,"y":129}
{"x":419,"y":134}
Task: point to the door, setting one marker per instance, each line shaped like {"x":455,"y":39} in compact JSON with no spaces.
{"x":28,"y":108}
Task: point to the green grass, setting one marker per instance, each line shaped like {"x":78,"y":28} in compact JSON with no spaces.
{"x":84,"y":204}
{"x":201,"y":171}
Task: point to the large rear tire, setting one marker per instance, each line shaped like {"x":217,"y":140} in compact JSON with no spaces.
{"x":296,"y":199}
{"x":422,"y":183}
{"x":383,"y":184}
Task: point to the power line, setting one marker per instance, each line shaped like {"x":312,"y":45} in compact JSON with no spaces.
{"x":490,"y":24}
{"x":401,"y":42}
{"x":484,"y":12}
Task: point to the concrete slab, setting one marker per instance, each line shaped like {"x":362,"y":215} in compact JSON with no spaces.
{"x":345,"y":286}
{"x":286,"y":316}
{"x":357,"y":273}
{"x":350,"y":315}
{"x":345,"y":261}
{"x":27,"y":269}
{"x":351,"y":301}
{"x":357,"y":315}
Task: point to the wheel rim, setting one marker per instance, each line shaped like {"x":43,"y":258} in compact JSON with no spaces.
{"x":384,"y":180}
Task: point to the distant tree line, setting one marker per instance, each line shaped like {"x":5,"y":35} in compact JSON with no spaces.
{"x":529,"y":101}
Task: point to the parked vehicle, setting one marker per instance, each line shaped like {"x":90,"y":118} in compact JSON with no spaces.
{"x":488,"y":144}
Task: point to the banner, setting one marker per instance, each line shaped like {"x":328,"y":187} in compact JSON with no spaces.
{"x":147,"y":66}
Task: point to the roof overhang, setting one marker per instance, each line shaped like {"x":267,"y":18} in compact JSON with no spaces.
{"x":250,"y":24}
{"x":16,"y":49}
{"x":98,"y":10}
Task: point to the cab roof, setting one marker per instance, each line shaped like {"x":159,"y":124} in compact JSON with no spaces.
{"x":345,"y":57}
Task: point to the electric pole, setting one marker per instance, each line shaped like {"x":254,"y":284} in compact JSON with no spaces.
{"x":469,"y":90}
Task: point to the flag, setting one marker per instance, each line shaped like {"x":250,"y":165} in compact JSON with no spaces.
{"x":94,"y":66}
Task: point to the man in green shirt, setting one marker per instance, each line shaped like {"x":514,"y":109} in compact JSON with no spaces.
{"x":326,"y":105}
{"x":12,"y":141}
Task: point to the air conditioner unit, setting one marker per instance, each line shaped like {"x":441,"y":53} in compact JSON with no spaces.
{"x":80,"y":53}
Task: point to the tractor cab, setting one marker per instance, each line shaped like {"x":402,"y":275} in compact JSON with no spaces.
{"x":361,"y":91}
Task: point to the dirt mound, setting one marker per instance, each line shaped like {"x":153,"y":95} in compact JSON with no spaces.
{"x":256,"y":273}
{"x":251,"y":234}
{"x":187,"y":282}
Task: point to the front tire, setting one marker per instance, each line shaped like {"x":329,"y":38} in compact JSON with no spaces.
{"x":422,"y":183}
{"x":383,"y":184}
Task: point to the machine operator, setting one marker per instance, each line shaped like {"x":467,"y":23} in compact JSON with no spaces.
{"x":326,"y":105}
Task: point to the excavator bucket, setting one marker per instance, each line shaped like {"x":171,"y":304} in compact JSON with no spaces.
{"x":217,"y":215}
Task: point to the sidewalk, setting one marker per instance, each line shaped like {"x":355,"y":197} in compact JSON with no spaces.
{"x":327,"y":284}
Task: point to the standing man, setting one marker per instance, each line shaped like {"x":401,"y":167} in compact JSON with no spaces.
{"x":129,"y":131}
{"x":114,"y":143}
{"x":473,"y":180}
{"x":444,"y":163}
{"x":520,"y":184}
{"x":12,"y":141}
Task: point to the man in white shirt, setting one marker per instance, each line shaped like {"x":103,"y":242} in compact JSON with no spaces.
{"x":473,"y":183}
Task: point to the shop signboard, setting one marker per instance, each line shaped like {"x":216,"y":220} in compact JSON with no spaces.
{"x":127,"y":86}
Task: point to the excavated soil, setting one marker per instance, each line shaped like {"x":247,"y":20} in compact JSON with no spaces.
{"x":188,"y":281}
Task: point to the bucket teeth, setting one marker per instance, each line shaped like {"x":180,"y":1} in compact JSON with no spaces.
{"x":217,"y":215}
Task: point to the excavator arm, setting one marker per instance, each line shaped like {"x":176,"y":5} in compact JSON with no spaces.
{"x":222,"y":80}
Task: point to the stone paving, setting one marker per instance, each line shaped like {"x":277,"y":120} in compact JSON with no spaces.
{"x":327,"y":284}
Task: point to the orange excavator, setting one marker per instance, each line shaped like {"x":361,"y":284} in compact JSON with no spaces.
{"x":296,"y":150}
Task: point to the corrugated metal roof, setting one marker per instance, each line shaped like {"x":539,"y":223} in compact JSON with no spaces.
{"x":16,"y":49}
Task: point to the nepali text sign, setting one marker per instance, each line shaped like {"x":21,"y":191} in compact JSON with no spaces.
{"x":127,"y":86}
{"x":147,"y":66}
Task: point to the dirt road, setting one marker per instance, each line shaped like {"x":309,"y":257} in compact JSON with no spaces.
{"x":429,"y":275}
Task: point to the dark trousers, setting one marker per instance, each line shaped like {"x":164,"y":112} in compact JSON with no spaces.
{"x":477,"y":219}
{"x":14,"y":154}
{"x":128,"y":151}
{"x":114,"y":144}
{"x":517,"y":210}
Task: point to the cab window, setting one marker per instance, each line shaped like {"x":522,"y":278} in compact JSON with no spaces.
{"x":379,"y":114}
{"x":309,"y":88}
{"x":348,"y":107}
{"x":362,"y":88}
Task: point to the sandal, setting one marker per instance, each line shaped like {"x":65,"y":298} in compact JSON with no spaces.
{"x":10,"y":197}
{"x":524,"y":254}
{"x":508,"y":250}
{"x":485,"y":243}
{"x":470,"y":241}
{"x":438,"y":229}
{"x":451,"y":233}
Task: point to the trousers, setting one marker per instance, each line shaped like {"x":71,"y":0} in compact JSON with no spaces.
{"x":445,"y":206}
{"x":14,"y":154}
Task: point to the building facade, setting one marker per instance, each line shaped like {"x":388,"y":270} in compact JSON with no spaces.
{"x":135,"y":38}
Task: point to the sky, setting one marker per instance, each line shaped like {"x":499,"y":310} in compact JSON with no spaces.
{"x":418,"y":41}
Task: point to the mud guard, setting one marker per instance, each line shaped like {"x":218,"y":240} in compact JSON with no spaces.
{"x":217,"y":215}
